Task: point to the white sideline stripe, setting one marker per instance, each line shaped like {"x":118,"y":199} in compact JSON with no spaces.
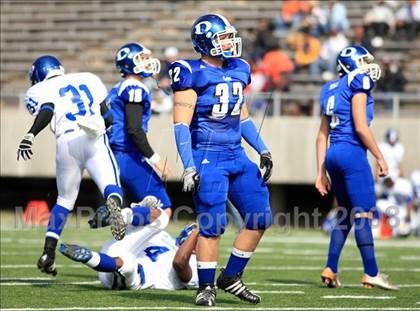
{"x":279,"y":292}
{"x":357,"y":297}
{"x":34,"y":266}
{"x":48,"y":283}
{"x":410,"y":257}
{"x":39,"y":278}
{"x":311,"y":268}
{"x":212,"y":308}
{"x":312,"y":284}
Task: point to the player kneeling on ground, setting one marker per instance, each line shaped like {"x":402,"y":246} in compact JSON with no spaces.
{"x":74,"y":104}
{"x":147,"y":257}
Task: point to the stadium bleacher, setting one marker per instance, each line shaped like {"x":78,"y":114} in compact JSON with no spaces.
{"x":85,"y":36}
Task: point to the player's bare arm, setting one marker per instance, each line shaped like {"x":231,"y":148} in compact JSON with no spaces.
{"x":181,"y":262}
{"x":364,"y":132}
{"x":322,"y":183}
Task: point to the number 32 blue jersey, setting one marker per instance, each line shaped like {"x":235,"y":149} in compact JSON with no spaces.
{"x":336,"y":104}
{"x":215,"y":124}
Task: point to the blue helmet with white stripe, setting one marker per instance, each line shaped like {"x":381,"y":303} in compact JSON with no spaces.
{"x":213,"y":35}
{"x":357,"y":57}
{"x":134,"y":58}
{"x":45,"y":67}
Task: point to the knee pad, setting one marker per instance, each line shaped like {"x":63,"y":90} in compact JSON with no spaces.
{"x":259,"y":220}
{"x":66,"y":203}
{"x":212,"y":226}
{"x":113,"y":190}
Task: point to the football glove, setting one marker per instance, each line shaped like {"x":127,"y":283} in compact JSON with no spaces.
{"x":25,"y":147}
{"x":190,"y":180}
{"x":267,"y":163}
{"x":46,"y":264}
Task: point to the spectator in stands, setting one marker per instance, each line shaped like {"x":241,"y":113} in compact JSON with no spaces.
{"x":162,"y":100}
{"x":379,"y":20}
{"x":307,"y":50}
{"x":277,"y":66}
{"x":393,"y":80}
{"x":360,"y":38}
{"x":337,"y":16}
{"x":408,"y":20}
{"x":292,"y":12}
{"x":248,"y":45}
{"x":265,"y":38}
{"x":316,"y":19}
{"x":330,"y":48}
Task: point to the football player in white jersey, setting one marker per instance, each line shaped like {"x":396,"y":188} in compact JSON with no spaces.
{"x":147,"y":257}
{"x":73,"y":104}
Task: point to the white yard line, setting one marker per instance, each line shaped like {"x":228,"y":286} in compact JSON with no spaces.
{"x":48,"y":283}
{"x":33,"y":266}
{"x":312,"y":284}
{"x":212,"y":308}
{"x":357,"y":297}
{"x":279,"y":292}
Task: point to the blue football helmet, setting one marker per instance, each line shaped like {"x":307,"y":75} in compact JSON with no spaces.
{"x":213,"y":35}
{"x":45,"y":67}
{"x":357,"y":57}
{"x":134,"y":58}
{"x":392,"y":136}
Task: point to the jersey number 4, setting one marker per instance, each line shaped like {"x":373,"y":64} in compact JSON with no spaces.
{"x":76,"y":99}
{"x":330,"y":112}
{"x":154,"y":251}
{"x":220,"y":110}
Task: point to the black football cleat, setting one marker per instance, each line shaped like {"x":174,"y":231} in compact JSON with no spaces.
{"x":100,"y":218}
{"x":235,"y":286}
{"x":46,"y":264}
{"x":206,"y":295}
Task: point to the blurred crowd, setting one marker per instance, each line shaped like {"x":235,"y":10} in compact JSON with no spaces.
{"x":302,"y":43}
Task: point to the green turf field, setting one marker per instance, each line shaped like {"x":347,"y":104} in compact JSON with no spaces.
{"x":285,"y":271}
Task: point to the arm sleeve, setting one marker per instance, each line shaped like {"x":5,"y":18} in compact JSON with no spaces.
{"x":133,"y":115}
{"x":106,"y":114}
{"x":43,"y":118}
{"x":180,"y":73}
{"x":250,"y":133}
{"x":183,"y":144}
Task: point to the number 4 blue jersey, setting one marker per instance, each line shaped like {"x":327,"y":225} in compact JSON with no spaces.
{"x":336,"y":97}
{"x":124,"y":92}
{"x":215,"y":124}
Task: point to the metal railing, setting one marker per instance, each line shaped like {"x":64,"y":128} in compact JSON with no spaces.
{"x":277,"y":100}
{"x":272,"y":101}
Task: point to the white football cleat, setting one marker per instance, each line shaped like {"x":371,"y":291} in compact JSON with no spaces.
{"x":380,"y":281}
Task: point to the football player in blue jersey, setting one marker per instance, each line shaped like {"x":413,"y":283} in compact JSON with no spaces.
{"x":347,"y":111}
{"x":130,"y":101}
{"x":210,"y":118}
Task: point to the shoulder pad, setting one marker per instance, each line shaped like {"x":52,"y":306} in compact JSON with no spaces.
{"x":133,"y":91}
{"x":359,"y":81}
{"x":180,"y":73}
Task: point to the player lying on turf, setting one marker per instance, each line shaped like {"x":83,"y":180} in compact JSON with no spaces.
{"x":74,"y":104}
{"x":210,"y":120}
{"x":347,"y":105}
{"x":147,"y":257}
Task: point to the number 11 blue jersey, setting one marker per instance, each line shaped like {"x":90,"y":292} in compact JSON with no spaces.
{"x":336,"y":101}
{"x":215,"y":125}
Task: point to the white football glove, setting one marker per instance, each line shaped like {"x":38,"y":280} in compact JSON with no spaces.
{"x":190,"y":180}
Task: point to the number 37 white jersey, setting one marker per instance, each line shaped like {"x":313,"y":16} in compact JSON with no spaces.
{"x":76,"y":98}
